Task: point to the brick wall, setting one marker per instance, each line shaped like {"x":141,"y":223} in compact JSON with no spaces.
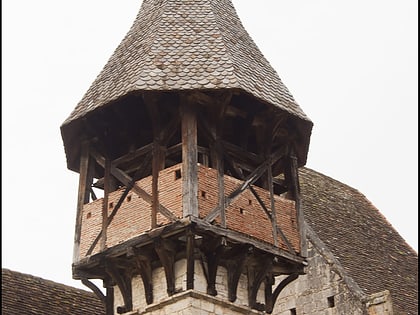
{"x":244,"y":215}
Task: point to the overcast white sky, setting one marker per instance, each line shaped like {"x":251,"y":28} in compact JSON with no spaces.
{"x":351,"y":65}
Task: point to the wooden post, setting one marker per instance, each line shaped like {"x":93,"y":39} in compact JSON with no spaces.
{"x":294,"y":178}
{"x":109,"y":302}
{"x":273,"y":205}
{"x":189,"y":158}
{"x":190,"y":259}
{"x":107,"y":186}
{"x":221,"y":182}
{"x":83,"y":197}
{"x":157,"y":166}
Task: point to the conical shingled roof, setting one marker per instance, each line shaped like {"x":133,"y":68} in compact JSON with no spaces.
{"x":185,"y":45}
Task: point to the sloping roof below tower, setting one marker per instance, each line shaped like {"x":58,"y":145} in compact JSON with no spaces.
{"x":360,"y":237}
{"x":186,"y":45}
{"x":369,"y":249}
{"x":26,"y":294}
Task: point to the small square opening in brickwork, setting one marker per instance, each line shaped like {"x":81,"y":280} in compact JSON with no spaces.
{"x":241,"y":210}
{"x":88,"y":215}
{"x":111,"y":205}
{"x":331,"y":302}
{"x":177,"y":174}
{"x":249,"y":202}
{"x":292,"y":311}
{"x":203,"y":194}
{"x":129,"y":198}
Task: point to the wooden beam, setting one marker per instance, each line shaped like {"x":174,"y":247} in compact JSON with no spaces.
{"x":290,"y":278}
{"x":257,"y":272}
{"x":211,"y":249}
{"x":158,"y":164}
{"x":296,"y":193}
{"x":166,"y":251}
{"x":272,"y":206}
{"x":190,"y":259}
{"x":126,"y":179}
{"x":144,"y":266}
{"x":114,"y":211}
{"x":123,"y":280}
{"x":203,"y":225}
{"x":109,"y":305}
{"x":189,"y":158}
{"x":235,"y":266}
{"x":82,"y":197}
{"x":133,"y":155}
{"x":249,"y":180}
{"x":95,"y":290}
{"x":107,"y":179}
{"x":220,"y":182}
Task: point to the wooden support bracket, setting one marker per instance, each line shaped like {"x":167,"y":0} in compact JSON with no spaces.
{"x":272,"y":297}
{"x":166,"y":251}
{"x":123,"y":281}
{"x":144,"y":266}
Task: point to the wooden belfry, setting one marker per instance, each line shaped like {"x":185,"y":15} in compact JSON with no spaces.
{"x":195,"y":143}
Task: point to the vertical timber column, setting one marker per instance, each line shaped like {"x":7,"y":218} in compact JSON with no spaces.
{"x":189,"y":158}
{"x":294,"y":179}
{"x":157,"y":165}
{"x":272,"y":205}
{"x":109,"y":297}
{"x":220,"y":180}
{"x":83,"y":196}
{"x":107,"y":188}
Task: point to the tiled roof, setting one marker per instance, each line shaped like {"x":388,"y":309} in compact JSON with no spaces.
{"x":365,"y":243}
{"x":186,"y":45}
{"x":28,"y":295}
{"x":370,"y":250}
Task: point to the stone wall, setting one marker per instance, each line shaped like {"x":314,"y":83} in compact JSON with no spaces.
{"x":325,"y":289}
{"x":188,"y":301}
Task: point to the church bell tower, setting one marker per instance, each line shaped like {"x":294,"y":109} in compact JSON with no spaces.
{"x":188,"y":146}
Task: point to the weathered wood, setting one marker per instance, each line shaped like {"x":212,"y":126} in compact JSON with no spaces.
{"x":190,"y":259}
{"x":107,"y":179}
{"x":81,"y":198}
{"x":126,"y":179}
{"x":115,"y":210}
{"x":210,"y":251}
{"x":123,"y":281}
{"x":242,"y":155}
{"x":285,"y":240}
{"x":109,"y":305}
{"x":296,"y":193}
{"x":261,"y":202}
{"x":133,"y":155}
{"x":203,"y":225}
{"x":157,"y":165}
{"x":95,"y":290}
{"x":189,"y":159}
{"x":220,"y":183}
{"x":268,"y":294}
{"x":256,"y":274}
{"x":273,"y":206}
{"x":290,"y":278}
{"x":167,"y":132}
{"x":166,"y":252}
{"x":235,"y":266}
{"x":249,"y":180}
{"x":145,"y":269}
{"x":174,"y":149}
